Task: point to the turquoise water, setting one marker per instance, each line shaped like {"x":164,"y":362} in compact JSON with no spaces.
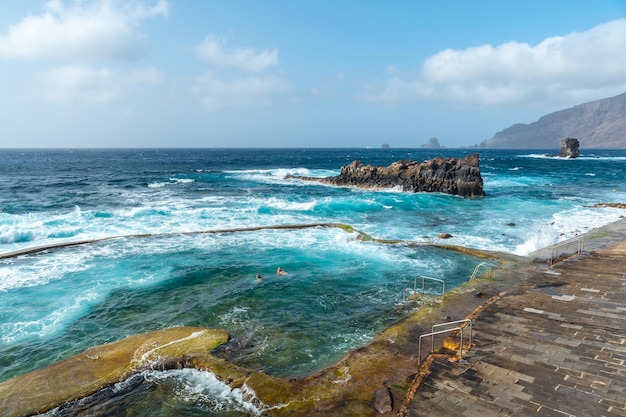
{"x":339,"y":291}
{"x":110,"y":290}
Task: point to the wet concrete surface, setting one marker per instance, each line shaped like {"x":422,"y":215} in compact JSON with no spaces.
{"x":552,"y":345}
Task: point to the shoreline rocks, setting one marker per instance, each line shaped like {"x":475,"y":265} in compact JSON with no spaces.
{"x":456,"y":176}
{"x":101,"y":366}
{"x":611,"y":205}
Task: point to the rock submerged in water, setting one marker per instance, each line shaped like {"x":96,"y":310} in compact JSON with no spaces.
{"x":456,"y":176}
{"x":612,"y":205}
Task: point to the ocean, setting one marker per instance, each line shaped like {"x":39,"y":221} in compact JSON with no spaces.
{"x":153,"y":271}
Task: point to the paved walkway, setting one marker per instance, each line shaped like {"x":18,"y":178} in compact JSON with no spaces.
{"x":553,"y":346}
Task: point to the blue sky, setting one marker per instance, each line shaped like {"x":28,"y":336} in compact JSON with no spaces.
{"x":278,"y":73}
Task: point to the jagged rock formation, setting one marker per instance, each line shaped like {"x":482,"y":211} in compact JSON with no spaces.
{"x":432,"y":143}
{"x":457,"y":176}
{"x":613,"y":205}
{"x":569,"y":148}
{"x":598,"y":124}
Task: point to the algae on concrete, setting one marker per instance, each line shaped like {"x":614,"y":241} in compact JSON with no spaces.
{"x":82,"y":375}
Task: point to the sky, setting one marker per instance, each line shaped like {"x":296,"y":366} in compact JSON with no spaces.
{"x":298,"y":73}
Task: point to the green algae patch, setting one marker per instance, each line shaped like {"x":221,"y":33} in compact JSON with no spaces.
{"x":345,"y":227}
{"x":101,"y":366}
{"x":270,"y":390}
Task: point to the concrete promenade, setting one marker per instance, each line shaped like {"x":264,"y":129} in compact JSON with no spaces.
{"x":553,"y":345}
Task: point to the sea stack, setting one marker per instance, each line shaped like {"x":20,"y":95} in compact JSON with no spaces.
{"x":432,"y":143}
{"x":457,"y":176}
{"x":569,"y":148}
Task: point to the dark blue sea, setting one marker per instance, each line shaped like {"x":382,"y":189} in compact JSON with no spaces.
{"x":339,"y":292}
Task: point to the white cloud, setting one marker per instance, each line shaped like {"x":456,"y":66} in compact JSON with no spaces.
{"x":216,"y":93}
{"x":580,"y":66}
{"x":92,"y":85}
{"x":245,"y":59}
{"x":83,"y":31}
{"x":330,"y":87}
{"x":393,"y":91}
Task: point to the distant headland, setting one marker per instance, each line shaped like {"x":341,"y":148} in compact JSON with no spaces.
{"x":599,"y":124}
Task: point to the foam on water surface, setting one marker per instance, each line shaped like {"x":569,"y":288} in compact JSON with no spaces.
{"x":342,"y":276}
{"x":167,"y":393}
{"x":59,"y":302}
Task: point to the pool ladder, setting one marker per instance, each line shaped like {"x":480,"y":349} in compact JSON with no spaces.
{"x":405,"y":290}
{"x":487,"y":265}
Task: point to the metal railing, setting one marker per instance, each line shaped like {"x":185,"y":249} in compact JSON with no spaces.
{"x":467,"y":322}
{"x":578,"y":240}
{"x":404,"y":292}
{"x":433,"y":333}
{"x":424,"y":279}
{"x":487,"y":265}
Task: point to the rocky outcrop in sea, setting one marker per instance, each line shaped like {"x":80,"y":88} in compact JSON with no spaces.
{"x":432,"y":143}
{"x":569,"y":148}
{"x":457,"y":176}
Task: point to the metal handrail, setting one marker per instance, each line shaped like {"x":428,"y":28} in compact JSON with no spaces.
{"x":466,"y":321}
{"x":433,"y":333}
{"x":554,"y":249}
{"x":486,"y":265}
{"x":404,"y":297}
{"x":424,"y":278}
{"x":432,"y":346}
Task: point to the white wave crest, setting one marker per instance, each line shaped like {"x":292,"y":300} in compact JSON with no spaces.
{"x":546,"y":156}
{"x":195,"y":388}
{"x":172,"y":181}
{"x":278,"y":175}
{"x":590,"y":157}
{"x":542,"y":237}
{"x":500,"y":181}
{"x":291,"y":205}
{"x":18,"y":234}
{"x":182,"y":180}
{"x":566,"y":225}
{"x":603,"y":158}
{"x":204,"y":389}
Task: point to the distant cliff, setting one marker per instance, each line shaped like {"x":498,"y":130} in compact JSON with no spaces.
{"x":457,"y":176}
{"x":598,"y":124}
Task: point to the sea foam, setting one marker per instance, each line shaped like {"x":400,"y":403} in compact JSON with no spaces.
{"x":122,"y":286}
{"x":204,"y":390}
